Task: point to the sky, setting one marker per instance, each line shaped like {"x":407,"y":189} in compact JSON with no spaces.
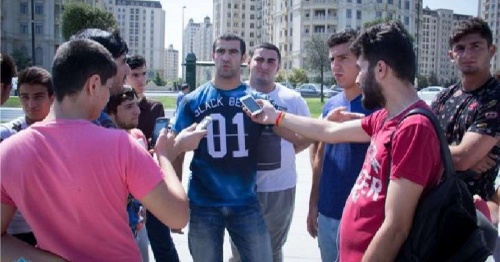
{"x":199,"y":9}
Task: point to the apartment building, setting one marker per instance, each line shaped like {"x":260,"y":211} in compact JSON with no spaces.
{"x":489,"y":10}
{"x":171,"y":63}
{"x":198,"y":39}
{"x":436,"y":28}
{"x":16,"y":29}
{"x":142,"y":25}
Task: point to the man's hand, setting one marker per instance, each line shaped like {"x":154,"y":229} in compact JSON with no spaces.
{"x":171,"y":146}
{"x":485,"y":164}
{"x":267,"y":116}
{"x":312,"y":221}
{"x":340,"y":114}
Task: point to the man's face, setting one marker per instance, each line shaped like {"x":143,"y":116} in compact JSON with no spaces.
{"x":35,"y":101}
{"x":264,"y":66}
{"x":122,"y":70}
{"x":373,"y":96}
{"x":127,"y":114}
{"x":471,"y":54}
{"x":343,"y":65}
{"x":227,"y":58}
{"x":137,"y":79}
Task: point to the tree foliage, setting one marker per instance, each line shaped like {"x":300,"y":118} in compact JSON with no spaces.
{"x":316,"y":54}
{"x":422,"y":82}
{"x":298,"y":76}
{"x":21,"y":59}
{"x":77,"y":16}
{"x":281,"y":76}
{"x":432,"y":80}
{"x":158,"y":80}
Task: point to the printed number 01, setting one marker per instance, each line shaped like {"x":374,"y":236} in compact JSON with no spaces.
{"x":240,"y":134}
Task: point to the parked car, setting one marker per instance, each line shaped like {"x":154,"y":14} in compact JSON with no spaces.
{"x":314,"y":90}
{"x":429,"y":93}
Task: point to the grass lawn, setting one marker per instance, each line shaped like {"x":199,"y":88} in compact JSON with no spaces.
{"x":315,"y":105}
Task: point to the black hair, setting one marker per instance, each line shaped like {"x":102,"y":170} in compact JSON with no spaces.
{"x":347,"y":36}
{"x":267,"y":46}
{"x":8,"y":69}
{"x":231,"y":37}
{"x":126,"y":93}
{"x":75,"y":62}
{"x":110,"y":40}
{"x":388,"y":42}
{"x":471,"y":26}
{"x":35,"y":75}
{"x":136,"y":61}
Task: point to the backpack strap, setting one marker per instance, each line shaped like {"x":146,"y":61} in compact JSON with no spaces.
{"x":444,"y":149}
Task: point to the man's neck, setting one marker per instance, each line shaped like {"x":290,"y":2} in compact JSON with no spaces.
{"x":399,"y":98}
{"x":352,"y":92}
{"x":475,"y":81}
{"x":69,"y":108}
{"x":226,"y":83}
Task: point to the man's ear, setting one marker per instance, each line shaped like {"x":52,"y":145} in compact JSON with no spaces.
{"x":450,"y":54}
{"x":492,"y":50}
{"x":92,"y":84}
{"x":381,"y":69}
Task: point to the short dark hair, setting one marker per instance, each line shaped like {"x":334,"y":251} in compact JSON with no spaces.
{"x":184,"y":86}
{"x":231,"y":37}
{"x":348,"y":36}
{"x":471,"y":26}
{"x":267,"y":46}
{"x":126,"y":93}
{"x":110,"y":40}
{"x":380,"y":41}
{"x":35,"y":75}
{"x":77,"y":60}
{"x":8,"y":69}
{"x":136,"y":61}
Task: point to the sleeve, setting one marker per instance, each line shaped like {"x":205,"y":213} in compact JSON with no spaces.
{"x":412,"y":158}
{"x":487,"y":120}
{"x":369,"y":123}
{"x":184,"y":116}
{"x":142,"y":174}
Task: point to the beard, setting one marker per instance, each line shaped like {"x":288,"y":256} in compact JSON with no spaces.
{"x":373,"y":96}
{"x":126,"y":125}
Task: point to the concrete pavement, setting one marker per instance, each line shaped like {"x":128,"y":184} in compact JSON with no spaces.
{"x":299,"y":246}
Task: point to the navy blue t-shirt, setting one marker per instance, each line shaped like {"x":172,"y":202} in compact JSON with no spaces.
{"x":342,"y":163}
{"x":224,"y":166}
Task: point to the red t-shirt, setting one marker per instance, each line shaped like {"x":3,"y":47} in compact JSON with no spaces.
{"x":415,"y":156}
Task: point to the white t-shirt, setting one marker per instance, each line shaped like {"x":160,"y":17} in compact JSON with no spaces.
{"x":276,"y":160}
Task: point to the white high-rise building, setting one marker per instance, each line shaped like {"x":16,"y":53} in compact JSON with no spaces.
{"x":171,"y":63}
{"x":437,"y":26}
{"x":198,"y":39}
{"x":16,"y":29}
{"x":142,"y":25}
{"x":489,"y":10}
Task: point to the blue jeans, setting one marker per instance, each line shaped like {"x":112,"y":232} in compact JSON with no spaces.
{"x":245,"y":225}
{"x":328,"y":237}
{"x":161,"y":242}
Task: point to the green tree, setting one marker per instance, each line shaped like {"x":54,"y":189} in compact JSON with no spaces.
{"x":158,"y":80}
{"x":77,"y":16}
{"x":422,"y":82}
{"x":21,"y":59}
{"x":281,"y":76}
{"x":298,"y":76}
{"x":316,"y":51}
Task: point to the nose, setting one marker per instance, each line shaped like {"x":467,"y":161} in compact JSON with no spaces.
{"x":31,"y":103}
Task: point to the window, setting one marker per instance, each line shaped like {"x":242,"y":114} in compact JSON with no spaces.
{"x":407,"y":5}
{"x":390,"y":2}
{"x":252,"y":16}
{"x":23,"y":28}
{"x":359,"y":2}
{"x":252,"y":25}
{"x":379,"y":1}
{"x":251,"y":34}
{"x":23,"y":8}
{"x":39,"y":29}
{"x":348,"y":13}
{"x":358,"y":14}
{"x":39,"y":8}
{"x":39,"y":56}
{"x":252,"y":7}
{"x":378,"y":14}
{"x":229,"y":5}
{"x":407,"y":21}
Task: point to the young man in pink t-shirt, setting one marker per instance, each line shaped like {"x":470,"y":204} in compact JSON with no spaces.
{"x":378,"y":215}
{"x":70,"y":178}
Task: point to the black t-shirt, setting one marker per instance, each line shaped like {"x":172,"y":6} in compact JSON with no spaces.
{"x":475,"y":111}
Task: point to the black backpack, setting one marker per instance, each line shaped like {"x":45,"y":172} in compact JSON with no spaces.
{"x":444,"y":225}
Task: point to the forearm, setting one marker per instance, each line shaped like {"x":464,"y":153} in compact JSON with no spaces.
{"x":177,"y":164}
{"x":317,"y":169}
{"x":385,"y":244}
{"x":310,"y":128}
{"x":13,"y":249}
{"x":172,"y":180}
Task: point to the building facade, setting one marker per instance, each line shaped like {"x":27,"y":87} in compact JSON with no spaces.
{"x":142,"y":25}
{"x":489,"y":10}
{"x":16,"y":30}
{"x":198,"y":39}
{"x":171,"y":64}
{"x":434,"y":60}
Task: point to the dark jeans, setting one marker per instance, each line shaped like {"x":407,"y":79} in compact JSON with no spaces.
{"x":161,"y":242}
{"x":26,"y":237}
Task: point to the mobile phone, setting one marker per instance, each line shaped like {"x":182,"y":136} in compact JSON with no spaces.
{"x":250,"y":103}
{"x":204,"y":123}
{"x":160,"y":123}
